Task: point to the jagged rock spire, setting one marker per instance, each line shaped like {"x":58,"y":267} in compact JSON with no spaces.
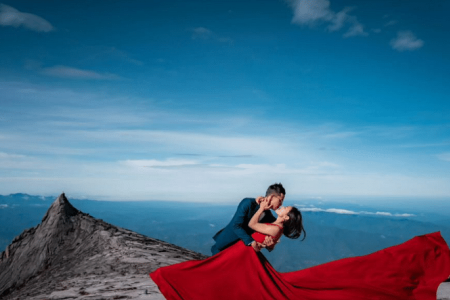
{"x":34,"y":247}
{"x":69,"y":244}
{"x":60,"y":209}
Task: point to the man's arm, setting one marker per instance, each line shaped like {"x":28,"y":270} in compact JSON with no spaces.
{"x":240,"y":221}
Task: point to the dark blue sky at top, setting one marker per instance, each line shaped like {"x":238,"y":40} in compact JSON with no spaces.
{"x":131,"y":84}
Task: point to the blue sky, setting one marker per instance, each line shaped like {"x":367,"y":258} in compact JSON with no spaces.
{"x":215,"y":100}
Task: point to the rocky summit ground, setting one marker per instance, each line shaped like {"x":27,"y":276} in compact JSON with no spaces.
{"x":72,"y":255}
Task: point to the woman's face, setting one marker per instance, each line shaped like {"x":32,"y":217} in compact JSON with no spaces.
{"x":283,"y":211}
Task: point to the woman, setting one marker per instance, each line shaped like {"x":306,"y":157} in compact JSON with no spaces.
{"x":412,"y":270}
{"x":289,"y":222}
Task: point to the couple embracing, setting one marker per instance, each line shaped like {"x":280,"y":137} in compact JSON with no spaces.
{"x":238,"y":270}
{"x":254,"y":224}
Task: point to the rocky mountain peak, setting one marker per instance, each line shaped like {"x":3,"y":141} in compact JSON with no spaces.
{"x":60,"y":210}
{"x":69,"y":246}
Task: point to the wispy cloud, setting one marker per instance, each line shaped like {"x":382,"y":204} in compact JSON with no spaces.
{"x":207,"y":34}
{"x":131,"y":152}
{"x":107,"y":54}
{"x":201,"y":33}
{"x":351,"y":212}
{"x":406,"y":40}
{"x":424,"y":145}
{"x":153,"y":163}
{"x":172,"y":164}
{"x":390,"y":23}
{"x":9,"y":16}
{"x":69,"y":72}
{"x":2,"y":206}
{"x":340,"y":135}
{"x":339,"y":19}
{"x":444,"y":156}
{"x":11,"y":161}
{"x":4,"y":155}
{"x":311,"y":13}
{"x":357,"y":29}
{"x":114,"y":52}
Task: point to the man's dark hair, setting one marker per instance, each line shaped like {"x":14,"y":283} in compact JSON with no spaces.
{"x":275,"y":188}
{"x":293,"y":227}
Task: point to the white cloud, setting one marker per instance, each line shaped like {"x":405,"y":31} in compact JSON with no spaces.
{"x":340,"y":211}
{"x":10,"y":162}
{"x":201,"y":33}
{"x":340,"y":135}
{"x":82,"y":142}
{"x":339,"y":19}
{"x":351,"y":212}
{"x":206,"y":34}
{"x":357,"y":29}
{"x":406,"y":40}
{"x":390,"y":23}
{"x":4,"y":155}
{"x":3,"y":206}
{"x":444,"y":156}
{"x":311,"y":13}
{"x":69,"y":72}
{"x":10,"y":16}
{"x":153,"y":163}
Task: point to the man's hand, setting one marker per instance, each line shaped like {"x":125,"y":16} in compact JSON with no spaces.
{"x":257,"y":246}
{"x":268,"y":242}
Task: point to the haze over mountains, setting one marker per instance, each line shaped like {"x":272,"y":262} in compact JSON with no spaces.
{"x":72,"y":255}
{"x":348,"y":230}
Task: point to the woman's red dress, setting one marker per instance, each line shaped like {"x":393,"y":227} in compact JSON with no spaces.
{"x":412,"y":270}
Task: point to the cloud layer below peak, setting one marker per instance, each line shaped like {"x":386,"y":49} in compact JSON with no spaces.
{"x":351,"y":212}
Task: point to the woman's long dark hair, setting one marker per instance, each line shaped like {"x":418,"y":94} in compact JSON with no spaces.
{"x":293,"y":227}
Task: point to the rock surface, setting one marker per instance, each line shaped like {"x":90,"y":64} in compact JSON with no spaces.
{"x":72,"y":255}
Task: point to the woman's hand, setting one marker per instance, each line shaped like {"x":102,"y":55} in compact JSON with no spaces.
{"x":264,"y":204}
{"x":259,"y":199}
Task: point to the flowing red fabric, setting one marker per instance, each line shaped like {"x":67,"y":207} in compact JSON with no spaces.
{"x":412,"y":270}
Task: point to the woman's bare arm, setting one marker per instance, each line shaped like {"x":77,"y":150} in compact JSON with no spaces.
{"x":260,"y":227}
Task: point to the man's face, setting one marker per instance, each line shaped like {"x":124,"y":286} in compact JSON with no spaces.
{"x":276,"y":201}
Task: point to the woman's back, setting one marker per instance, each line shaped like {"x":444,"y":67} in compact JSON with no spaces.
{"x":260,"y":237}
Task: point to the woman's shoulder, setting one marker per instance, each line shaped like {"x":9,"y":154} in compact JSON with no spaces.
{"x":279,"y":226}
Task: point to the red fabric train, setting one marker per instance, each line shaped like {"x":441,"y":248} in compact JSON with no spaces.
{"x":412,"y":270}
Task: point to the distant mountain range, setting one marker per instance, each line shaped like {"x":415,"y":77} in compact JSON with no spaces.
{"x":71,"y":254}
{"x":330,"y":236}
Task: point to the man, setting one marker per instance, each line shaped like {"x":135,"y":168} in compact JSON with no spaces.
{"x":238,"y":228}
